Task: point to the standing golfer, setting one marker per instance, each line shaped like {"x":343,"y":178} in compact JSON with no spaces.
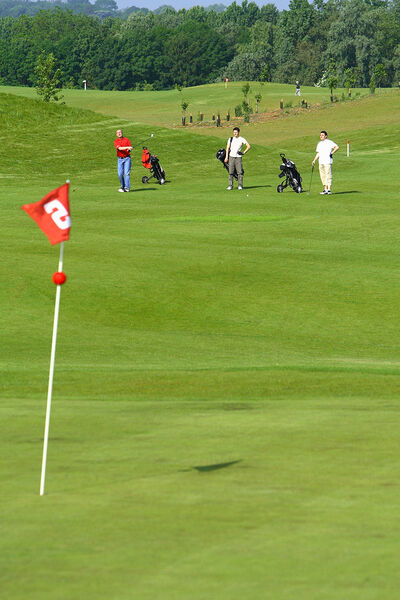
{"x":123,"y":147}
{"x":325,"y":150}
{"x":234,"y":157}
{"x":297,"y":92}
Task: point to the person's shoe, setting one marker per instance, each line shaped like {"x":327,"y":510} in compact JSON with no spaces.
{"x":127,"y":190}
{"x":121,"y":190}
{"x":229,"y":187}
{"x":240,"y":187}
{"x":324,"y":192}
{"x":328,"y":192}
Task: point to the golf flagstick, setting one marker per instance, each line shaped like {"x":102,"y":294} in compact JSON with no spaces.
{"x":52,"y":215}
{"x":51,"y":372}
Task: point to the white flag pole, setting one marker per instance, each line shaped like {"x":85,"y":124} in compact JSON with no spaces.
{"x":51,"y":373}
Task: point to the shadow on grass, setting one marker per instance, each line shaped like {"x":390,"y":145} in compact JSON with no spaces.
{"x":216,"y":467}
{"x":254,"y":187}
{"x":349,"y":192}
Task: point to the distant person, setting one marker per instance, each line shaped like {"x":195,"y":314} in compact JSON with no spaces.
{"x":325,"y":150}
{"x":297,"y":92}
{"x":234,"y":157}
{"x":123,"y":147}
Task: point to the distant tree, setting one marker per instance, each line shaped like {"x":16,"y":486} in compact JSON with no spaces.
{"x":163,"y":9}
{"x":245,"y":91}
{"x":299,"y":19}
{"x":396,"y":64}
{"x":260,"y":47}
{"x":351,"y":40}
{"x":48,"y":77}
{"x":380,"y":74}
{"x":372,"y":85}
{"x":105,"y":8}
{"x":193,"y":54}
{"x":249,"y":65}
{"x":197,"y":13}
{"x":80,"y":6}
{"x":114,"y":49}
{"x":258,"y":99}
{"x":245,"y":14}
{"x":269,"y":13}
{"x":218,"y":8}
{"x":247,"y":110}
{"x":350,"y":78}
{"x":184,"y":106}
{"x":332,"y":79}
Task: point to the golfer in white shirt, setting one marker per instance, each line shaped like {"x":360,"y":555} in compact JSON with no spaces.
{"x":234,"y":157}
{"x":325,"y":150}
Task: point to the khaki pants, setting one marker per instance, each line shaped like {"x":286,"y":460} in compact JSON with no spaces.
{"x":236,"y":162}
{"x":325,"y":172}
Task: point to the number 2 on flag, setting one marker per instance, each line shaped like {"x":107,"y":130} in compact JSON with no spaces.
{"x":58,"y":213}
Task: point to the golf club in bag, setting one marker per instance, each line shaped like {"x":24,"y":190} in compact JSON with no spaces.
{"x":221,"y":154}
{"x":151,"y":162}
{"x":291,"y":174}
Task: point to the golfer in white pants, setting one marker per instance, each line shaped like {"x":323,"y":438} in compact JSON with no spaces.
{"x":325,"y":150}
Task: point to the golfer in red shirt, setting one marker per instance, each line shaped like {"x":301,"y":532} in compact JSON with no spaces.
{"x":123,"y":147}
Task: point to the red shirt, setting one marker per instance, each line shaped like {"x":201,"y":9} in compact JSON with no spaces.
{"x":122,"y":142}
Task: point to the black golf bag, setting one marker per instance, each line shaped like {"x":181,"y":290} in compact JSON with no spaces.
{"x":152,"y":163}
{"x":293,"y":178}
{"x":221,"y":154}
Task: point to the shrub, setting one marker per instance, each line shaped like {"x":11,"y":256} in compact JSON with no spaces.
{"x":238,"y":110}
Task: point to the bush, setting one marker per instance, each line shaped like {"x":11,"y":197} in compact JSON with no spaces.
{"x":238,"y":111}
{"x":372,"y":85}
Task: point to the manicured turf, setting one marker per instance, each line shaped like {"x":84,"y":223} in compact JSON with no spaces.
{"x":226,"y":400}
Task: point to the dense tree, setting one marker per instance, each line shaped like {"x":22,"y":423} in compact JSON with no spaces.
{"x":247,"y":65}
{"x":351,"y":40}
{"x":194,"y":54}
{"x":112,"y":49}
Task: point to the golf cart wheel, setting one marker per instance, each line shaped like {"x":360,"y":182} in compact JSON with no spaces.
{"x":162,"y":181}
{"x":279,"y":188}
{"x":145,"y":179}
{"x":299,"y":190}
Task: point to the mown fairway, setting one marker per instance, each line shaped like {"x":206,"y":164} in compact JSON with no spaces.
{"x":226,"y":401}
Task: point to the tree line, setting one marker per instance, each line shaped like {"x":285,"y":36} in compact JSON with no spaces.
{"x":139,"y":49}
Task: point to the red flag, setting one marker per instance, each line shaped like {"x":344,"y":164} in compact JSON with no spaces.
{"x":52,"y":214}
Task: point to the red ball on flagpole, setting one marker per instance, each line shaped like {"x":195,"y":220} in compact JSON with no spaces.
{"x":59,"y":278}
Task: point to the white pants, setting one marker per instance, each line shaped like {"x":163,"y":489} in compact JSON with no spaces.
{"x":325,"y":172}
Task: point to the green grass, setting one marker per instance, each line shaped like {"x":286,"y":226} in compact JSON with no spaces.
{"x":163,"y":108}
{"x":226,"y":398}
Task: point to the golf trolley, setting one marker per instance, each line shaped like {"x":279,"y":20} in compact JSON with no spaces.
{"x":221,"y":154}
{"x":152,"y":163}
{"x":293,"y":178}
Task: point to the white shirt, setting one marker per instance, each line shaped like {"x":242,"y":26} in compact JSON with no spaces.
{"x":324,"y":149}
{"x":236,"y":144}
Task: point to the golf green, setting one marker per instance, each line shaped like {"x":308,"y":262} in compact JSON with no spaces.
{"x":226,"y":396}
